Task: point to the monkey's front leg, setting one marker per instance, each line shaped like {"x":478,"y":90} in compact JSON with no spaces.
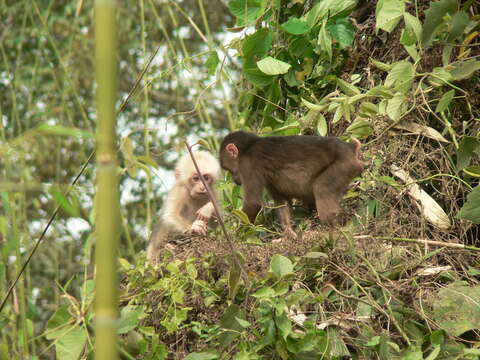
{"x":283,"y":211}
{"x":206,"y":212}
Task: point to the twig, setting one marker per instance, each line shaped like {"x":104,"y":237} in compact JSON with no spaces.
{"x":217,"y":212}
{"x":420,"y":241}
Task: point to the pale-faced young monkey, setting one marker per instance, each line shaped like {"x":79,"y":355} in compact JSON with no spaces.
{"x":313,"y":169}
{"x":187,"y":208}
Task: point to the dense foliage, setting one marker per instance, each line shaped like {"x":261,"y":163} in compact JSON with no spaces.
{"x":402,"y":76}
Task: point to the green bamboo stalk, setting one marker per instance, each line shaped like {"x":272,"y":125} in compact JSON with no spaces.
{"x":107,"y":199}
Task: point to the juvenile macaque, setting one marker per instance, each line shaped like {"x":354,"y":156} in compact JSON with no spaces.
{"x":187,"y":209}
{"x":313,"y":169}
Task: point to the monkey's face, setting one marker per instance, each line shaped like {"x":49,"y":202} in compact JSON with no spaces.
{"x":196,"y":187}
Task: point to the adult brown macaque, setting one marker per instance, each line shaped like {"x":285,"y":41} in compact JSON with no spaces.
{"x":313,"y":169}
{"x":187,"y":209}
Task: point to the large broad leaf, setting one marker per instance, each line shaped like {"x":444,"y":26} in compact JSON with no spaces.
{"x":130,"y":317}
{"x":397,"y":106}
{"x":440,"y":76}
{"x":413,"y":25}
{"x":272,"y":66}
{"x":456,"y":308}
{"x":389,"y":13}
{"x":230,"y":324}
{"x":458,"y":24}
{"x":281,"y":266}
{"x":257,"y":44}
{"x":296,"y":26}
{"x":328,"y":8}
{"x":70,"y":346}
{"x":471,"y":209}
{"x":465,"y":69}
{"x":256,"y":77}
{"x":246,"y":11}
{"x":342,"y":31}
{"x":434,"y":17}
{"x":401,"y":76}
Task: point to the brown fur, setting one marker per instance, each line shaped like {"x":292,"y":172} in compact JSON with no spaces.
{"x":314,"y":169}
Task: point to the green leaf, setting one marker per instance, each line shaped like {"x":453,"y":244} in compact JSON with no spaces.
{"x":325,"y":41}
{"x":57,"y":325}
{"x":322,"y":125}
{"x":342,"y":31}
{"x":212,"y":62}
{"x":272,"y":66}
{"x":445,"y":101}
{"x":434,"y":17}
{"x":348,"y":88}
{"x":412,"y":51}
{"x":413,"y":25}
{"x":264,"y":293}
{"x":315,"y":255}
{"x":466,"y":149}
{"x":328,"y":8}
{"x":72,"y":208}
{"x":440,"y":76}
{"x":241,"y":215}
{"x":230,"y":324}
{"x":397,"y":106}
{"x":257,"y":44}
{"x":388,"y":14}
{"x":295,"y":26}
{"x":401,"y":76}
{"x":281,"y":266}
{"x":368,"y":109}
{"x":460,"y":21}
{"x":465,"y":69}
{"x":202,"y":356}
{"x":284,"y":325}
{"x":243,"y":323}
{"x":374,"y":341}
{"x":130,"y":317}
{"x":257,"y":77}
{"x":456,"y":307}
{"x":65,"y":131}
{"x":381,"y":65}
{"x":246,"y":11}
{"x":70,"y":346}
{"x":360,"y":128}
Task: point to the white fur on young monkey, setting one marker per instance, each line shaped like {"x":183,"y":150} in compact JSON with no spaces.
{"x":187,"y":208}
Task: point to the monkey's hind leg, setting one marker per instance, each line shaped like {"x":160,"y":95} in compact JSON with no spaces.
{"x":158,"y":239}
{"x":328,"y":188}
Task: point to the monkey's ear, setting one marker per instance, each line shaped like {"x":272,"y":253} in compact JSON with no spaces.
{"x":232,"y":150}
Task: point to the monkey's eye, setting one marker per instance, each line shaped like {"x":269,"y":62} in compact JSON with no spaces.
{"x":196,"y":178}
{"x":205,"y":177}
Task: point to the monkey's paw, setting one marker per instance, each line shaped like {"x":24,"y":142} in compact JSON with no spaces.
{"x":199,"y":227}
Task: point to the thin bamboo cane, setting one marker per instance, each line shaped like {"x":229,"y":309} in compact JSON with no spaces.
{"x":107,"y":199}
